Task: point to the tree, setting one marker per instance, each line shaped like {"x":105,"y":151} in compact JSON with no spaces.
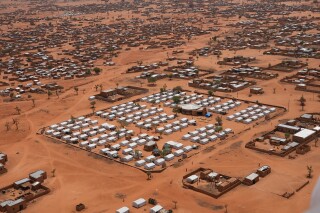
{"x":210,"y":92}
{"x":122,"y":123}
{"x":33,"y":102}
{"x":302,"y":101}
{"x":218,"y":129}
{"x":97,"y":70}
{"x":73,"y":119}
{"x":53,"y":172}
{"x":310,"y":171}
{"x":177,"y":89}
{"x":219,"y":120}
{"x":100,"y":87}
{"x":16,"y":123}
{"x":139,"y":63}
{"x":176,"y":99}
{"x":176,"y":110}
{"x":7,"y":125}
{"x":175,"y":204}
{"x":49,"y":94}
{"x":11,"y":95}
{"x":152,"y":80}
{"x":165,"y":87}
{"x":18,"y":110}
{"x":92,"y":106}
{"x":153,"y":102}
{"x":137,"y":154}
{"x":121,"y":196}
{"x":96,"y":87}
{"x":76,"y":89}
{"x":88,"y":72}
{"x":287,"y":135}
{"x":149,"y":175}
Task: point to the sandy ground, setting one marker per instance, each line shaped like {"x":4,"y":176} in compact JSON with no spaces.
{"x":97,"y":182}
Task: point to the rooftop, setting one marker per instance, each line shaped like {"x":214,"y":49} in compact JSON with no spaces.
{"x":304,"y":133}
{"x":252,"y":176}
{"x":190,"y":106}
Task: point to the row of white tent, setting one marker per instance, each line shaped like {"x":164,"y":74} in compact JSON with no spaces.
{"x":251,"y":113}
{"x":101,"y":139}
{"x":131,"y":118}
{"x":151,"y":161}
{"x":74,"y":124}
{"x":138,"y":204}
{"x":121,"y":110}
{"x":190,"y":99}
{"x":175,"y":126}
{"x":206,"y":134}
{"x":130,"y":144}
{"x":162,"y":97}
{"x":155,"y":121}
{"x":77,"y":131}
{"x":226,"y":106}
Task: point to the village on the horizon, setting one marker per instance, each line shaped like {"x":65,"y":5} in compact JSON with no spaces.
{"x":159,"y":106}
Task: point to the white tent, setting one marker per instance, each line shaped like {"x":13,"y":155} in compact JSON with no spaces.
{"x":204,"y":141}
{"x":139,"y":203}
{"x":149,"y":166}
{"x":168,"y":132}
{"x":159,"y":161}
{"x":186,"y":137}
{"x":178,"y":152}
{"x":150,"y":158}
{"x":140,"y":163}
{"x":124,"y":143}
{"x":123,"y":210}
{"x":192,"y":179}
{"x":132,"y":145}
{"x":127,"y":151}
{"x":156,"y":209}
{"x":187,"y":148}
{"x":127,"y":158}
{"x":169,"y":157}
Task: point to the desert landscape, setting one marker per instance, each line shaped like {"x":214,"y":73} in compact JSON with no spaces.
{"x":159,"y":106}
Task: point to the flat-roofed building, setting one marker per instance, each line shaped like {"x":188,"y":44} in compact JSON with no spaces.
{"x":305,"y":135}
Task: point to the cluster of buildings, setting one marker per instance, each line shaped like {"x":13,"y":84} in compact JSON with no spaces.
{"x":152,"y":74}
{"x":221,"y":84}
{"x":119,"y":93}
{"x":186,"y":71}
{"x":254,"y":177}
{"x":3,"y":161}
{"x":306,"y":80}
{"x":236,"y":60}
{"x":145,"y":68}
{"x":141,"y":202}
{"x":16,"y":196}
{"x":288,"y":65}
{"x":215,"y":184}
{"x":205,"y":51}
{"x":293,"y":135}
{"x":297,"y":52}
{"x":246,"y":71}
{"x":252,"y":113}
{"x":118,"y":138}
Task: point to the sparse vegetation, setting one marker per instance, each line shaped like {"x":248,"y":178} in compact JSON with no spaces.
{"x":310,"y":172}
